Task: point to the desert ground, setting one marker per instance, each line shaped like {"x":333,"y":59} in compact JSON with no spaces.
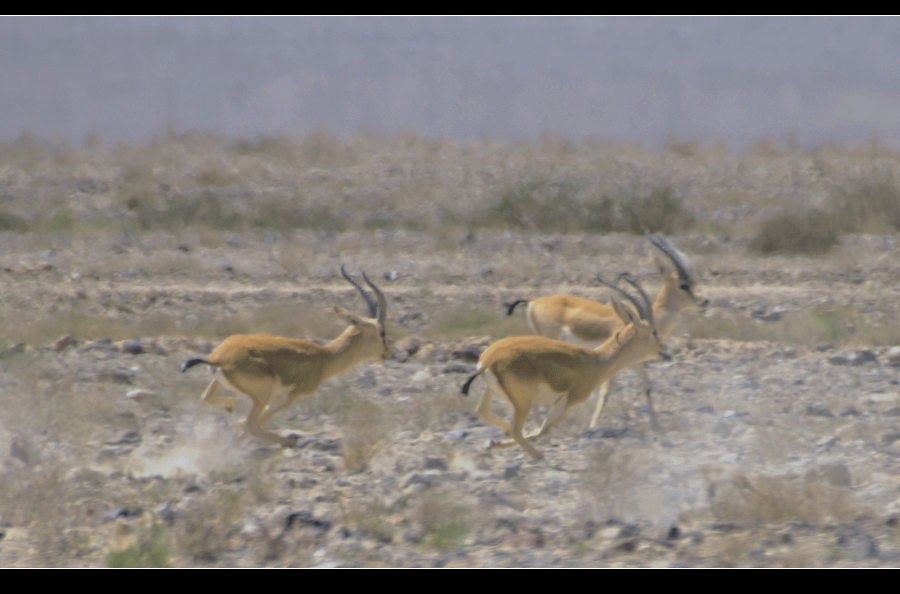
{"x":779,"y":411}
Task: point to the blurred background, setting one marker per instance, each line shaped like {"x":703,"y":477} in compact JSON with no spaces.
{"x":619,"y":79}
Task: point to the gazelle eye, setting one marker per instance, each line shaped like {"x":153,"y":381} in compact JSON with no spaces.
{"x":685,"y":288}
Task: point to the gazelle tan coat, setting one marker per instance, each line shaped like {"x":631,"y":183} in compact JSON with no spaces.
{"x":273,"y":371}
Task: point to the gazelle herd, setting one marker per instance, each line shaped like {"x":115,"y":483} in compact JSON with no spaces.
{"x":579,"y":346}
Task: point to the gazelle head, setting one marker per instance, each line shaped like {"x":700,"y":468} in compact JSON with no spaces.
{"x":640,"y":333}
{"x":367,"y":332}
{"x":680,"y":282}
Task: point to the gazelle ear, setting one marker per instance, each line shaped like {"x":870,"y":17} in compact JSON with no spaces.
{"x":347,"y":315}
{"x":624,"y":312}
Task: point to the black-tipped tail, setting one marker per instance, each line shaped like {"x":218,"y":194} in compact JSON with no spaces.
{"x":513,"y":305}
{"x":191,"y":362}
{"x":465,"y":386}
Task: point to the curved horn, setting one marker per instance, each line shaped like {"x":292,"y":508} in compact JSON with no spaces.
{"x":635,"y":284}
{"x":381,"y":310}
{"x":373,"y":307}
{"x":637,"y":304}
{"x":681,"y":265}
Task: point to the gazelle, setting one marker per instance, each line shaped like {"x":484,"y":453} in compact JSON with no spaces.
{"x":589,"y":323}
{"x":273,"y":371}
{"x":535,"y":369}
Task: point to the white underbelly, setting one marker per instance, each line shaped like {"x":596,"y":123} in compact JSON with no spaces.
{"x":546,"y":395}
{"x":567,"y":336}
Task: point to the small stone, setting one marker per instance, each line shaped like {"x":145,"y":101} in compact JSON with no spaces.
{"x":837,"y":475}
{"x":889,"y":438}
{"x":841,"y":359}
{"x":367,"y":379}
{"x":133,"y":346}
{"x":892,"y":412}
{"x":410,"y":344}
{"x":818,"y":410}
{"x":305,"y":518}
{"x":893,"y":355}
{"x":706,"y":408}
{"x":165,"y":512}
{"x":455,"y":435}
{"x":435,"y":464}
{"x":772,"y":316}
{"x":63,"y":342}
{"x":512,"y":471}
{"x":848,"y":411}
{"x":824,"y":346}
{"x":865,"y":356}
{"x":674,"y":533}
{"x":131,"y":437}
{"x":605,"y":432}
{"x":13,"y":349}
{"x":458,"y":368}
{"x":122,"y":512}
{"x":390,"y":275}
{"x":470,"y":352}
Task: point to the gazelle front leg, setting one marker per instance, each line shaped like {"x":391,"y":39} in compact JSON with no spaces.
{"x":252,"y":426}
{"x":647,"y":386}
{"x":602,"y":394}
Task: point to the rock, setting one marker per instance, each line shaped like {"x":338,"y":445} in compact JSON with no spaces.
{"x":892,"y":412}
{"x":390,"y":275}
{"x":674,"y":533}
{"x":455,"y":435}
{"x":13,"y":349}
{"x":837,"y":475}
{"x":398,"y":354}
{"x":409,"y":317}
{"x":840,"y":359}
{"x":511,"y":471}
{"x":367,"y":379}
{"x":440,"y":354}
{"x":132,"y":347}
{"x":435,"y":464}
{"x":865,"y":356}
{"x":458,"y":368}
{"x":165,"y":512}
{"x":434,"y":478}
{"x":63,"y":342}
{"x":848,"y":410}
{"x":468,"y":353}
{"x":706,"y":408}
{"x":818,"y":410}
{"x":605,"y":432}
{"x":889,"y":438}
{"x":824,"y":346}
{"x":893,"y":356}
{"x":146,"y":397}
{"x":122,"y":512}
{"x":101,"y":344}
{"x":410,"y":344}
{"x":772,"y":316}
{"x":859,"y":545}
{"x":131,"y":437}
{"x":306,"y":518}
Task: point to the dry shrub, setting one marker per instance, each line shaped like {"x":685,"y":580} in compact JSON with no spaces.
{"x":812,"y":232}
{"x":372,"y":519}
{"x":365,"y":428}
{"x":150,"y":550}
{"x":657,"y":212}
{"x":869,"y":205}
{"x":203,"y":529}
{"x":444,"y":519}
{"x":769,"y":500}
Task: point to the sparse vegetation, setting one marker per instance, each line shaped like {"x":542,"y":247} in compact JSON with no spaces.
{"x":813,"y":232}
{"x":151,"y":550}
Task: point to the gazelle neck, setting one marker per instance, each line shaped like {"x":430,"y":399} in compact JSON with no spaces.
{"x":343,"y":351}
{"x":619,"y":352}
{"x":666,"y":309}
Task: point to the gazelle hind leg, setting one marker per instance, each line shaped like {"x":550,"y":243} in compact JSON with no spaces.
{"x":602,"y":394}
{"x":209,"y":396}
{"x":484,"y":407}
{"x":556,"y":414}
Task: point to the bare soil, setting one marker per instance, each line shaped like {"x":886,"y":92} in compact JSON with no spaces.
{"x":780,"y":410}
